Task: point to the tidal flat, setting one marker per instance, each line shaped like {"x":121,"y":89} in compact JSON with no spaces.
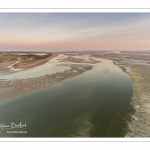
{"x":86,"y":94}
{"x":137,"y":65}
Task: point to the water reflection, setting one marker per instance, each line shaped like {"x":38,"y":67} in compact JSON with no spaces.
{"x":94,"y":104}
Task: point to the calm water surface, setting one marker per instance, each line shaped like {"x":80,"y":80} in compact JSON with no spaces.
{"x":93,"y":104}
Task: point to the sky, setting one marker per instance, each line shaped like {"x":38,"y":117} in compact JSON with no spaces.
{"x":74,"y":31}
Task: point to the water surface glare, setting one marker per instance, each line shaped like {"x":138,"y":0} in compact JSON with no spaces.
{"x":93,"y":104}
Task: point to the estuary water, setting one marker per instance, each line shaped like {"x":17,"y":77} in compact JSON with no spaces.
{"x":93,"y":104}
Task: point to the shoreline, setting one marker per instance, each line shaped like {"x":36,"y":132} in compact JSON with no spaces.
{"x":12,"y":88}
{"x":38,"y":63}
{"x":13,"y":66}
{"x":138,"y":122}
{"x":19,"y":87}
{"x":139,"y":125}
{"x":15,"y":87}
{"x":138,"y":68}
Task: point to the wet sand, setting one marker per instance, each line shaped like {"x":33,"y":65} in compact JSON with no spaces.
{"x":134,"y":64}
{"x":4,"y":69}
{"x":12,"y":88}
{"x":140,"y":125}
{"x":83,"y":106}
{"x":138,"y":67}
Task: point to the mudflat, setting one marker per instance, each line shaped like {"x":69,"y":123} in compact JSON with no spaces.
{"x":137,"y":65}
{"x":14,"y":87}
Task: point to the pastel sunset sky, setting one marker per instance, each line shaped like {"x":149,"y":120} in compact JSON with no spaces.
{"x":74,"y":31}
